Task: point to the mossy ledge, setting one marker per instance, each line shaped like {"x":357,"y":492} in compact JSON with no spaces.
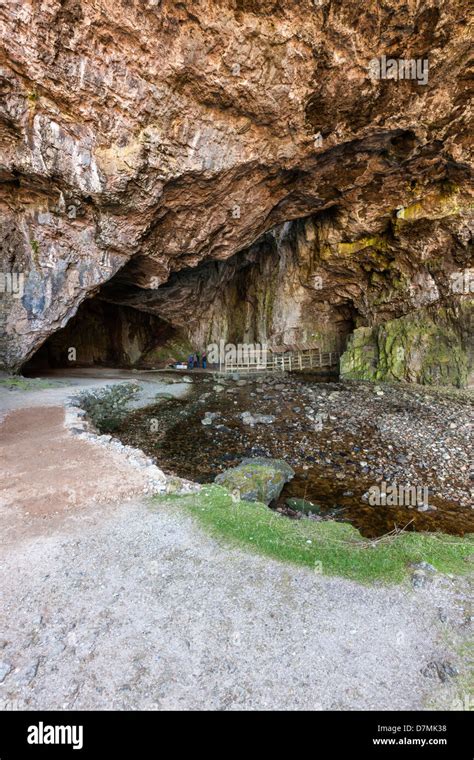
{"x":330,"y":548}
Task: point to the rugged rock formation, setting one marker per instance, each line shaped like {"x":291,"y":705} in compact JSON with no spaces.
{"x":432,"y":345}
{"x":232,"y":168}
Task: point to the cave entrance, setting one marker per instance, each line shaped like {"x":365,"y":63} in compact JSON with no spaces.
{"x":106,"y":335}
{"x":263,"y":294}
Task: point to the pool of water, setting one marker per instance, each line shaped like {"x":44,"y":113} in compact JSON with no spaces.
{"x":326,"y":462}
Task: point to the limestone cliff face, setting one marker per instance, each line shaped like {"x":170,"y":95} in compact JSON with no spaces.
{"x":150,"y":149}
{"x":433,"y":345}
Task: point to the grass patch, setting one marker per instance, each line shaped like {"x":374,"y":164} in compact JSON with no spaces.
{"x":107,"y":407}
{"x":328,"y":547}
{"x":27,"y":384}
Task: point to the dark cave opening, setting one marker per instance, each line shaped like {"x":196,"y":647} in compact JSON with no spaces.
{"x":103,"y":334}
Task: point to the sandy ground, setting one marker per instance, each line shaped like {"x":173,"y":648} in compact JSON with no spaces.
{"x":121,"y":606}
{"x":46,"y":470}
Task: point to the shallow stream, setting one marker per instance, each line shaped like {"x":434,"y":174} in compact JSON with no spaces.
{"x":335,"y":462}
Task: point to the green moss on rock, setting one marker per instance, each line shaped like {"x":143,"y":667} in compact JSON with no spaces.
{"x":257,"y":479}
{"x":427,"y":346}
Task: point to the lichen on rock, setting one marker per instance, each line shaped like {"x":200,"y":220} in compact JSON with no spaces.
{"x":259,"y":479}
{"x":429,"y":346}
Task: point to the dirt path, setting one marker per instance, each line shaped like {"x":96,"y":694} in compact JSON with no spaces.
{"x":46,"y":470}
{"x":119,"y":606}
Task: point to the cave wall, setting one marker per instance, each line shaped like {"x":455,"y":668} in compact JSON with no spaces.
{"x":304,"y":281}
{"x":167,"y":135}
{"x":275,"y":298}
{"x":432,"y":346}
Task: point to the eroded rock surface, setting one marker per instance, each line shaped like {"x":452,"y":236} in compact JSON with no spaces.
{"x":152,"y":138}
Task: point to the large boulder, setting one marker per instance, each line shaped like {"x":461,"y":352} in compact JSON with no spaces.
{"x":257,"y":479}
{"x":277,"y":464}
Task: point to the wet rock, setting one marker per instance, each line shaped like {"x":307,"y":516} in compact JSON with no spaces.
{"x":258,"y":479}
{"x":278,"y":464}
{"x":419,"y":579}
{"x":209,"y":418}
{"x":424,"y":566}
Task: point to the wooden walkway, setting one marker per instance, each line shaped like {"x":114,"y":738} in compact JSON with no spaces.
{"x":268,"y":360}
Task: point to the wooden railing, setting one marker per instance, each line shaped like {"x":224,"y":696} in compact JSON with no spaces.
{"x":290,"y":361}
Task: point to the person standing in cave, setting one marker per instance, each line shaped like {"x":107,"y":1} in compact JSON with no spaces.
{"x":204,"y":360}
{"x":190,"y":361}
{"x":196,"y":361}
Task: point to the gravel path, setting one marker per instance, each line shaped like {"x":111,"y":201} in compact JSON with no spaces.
{"x":132,"y":608}
{"x":121,"y":606}
{"x":67,"y":384}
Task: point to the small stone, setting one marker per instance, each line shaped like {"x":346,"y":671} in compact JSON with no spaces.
{"x":441,"y":669}
{"x":425,"y":566}
{"x":419,"y":579}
